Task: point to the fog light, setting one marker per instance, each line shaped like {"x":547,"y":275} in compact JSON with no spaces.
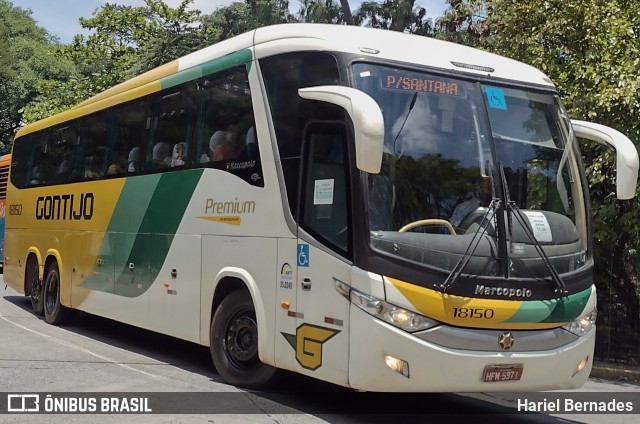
{"x":581,"y":365}
{"x":398,"y":365}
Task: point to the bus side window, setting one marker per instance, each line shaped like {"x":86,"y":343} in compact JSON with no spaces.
{"x":325,"y":203}
{"x":226,"y":132}
{"x":91,"y":155}
{"x":172,"y":122}
{"x":283,"y":75}
{"x":127,"y":130}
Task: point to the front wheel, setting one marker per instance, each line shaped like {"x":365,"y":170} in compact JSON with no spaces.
{"x":234,"y":343}
{"x":54,"y":311}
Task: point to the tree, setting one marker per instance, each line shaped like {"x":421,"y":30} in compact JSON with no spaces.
{"x":395,"y":15}
{"x":155,"y":33}
{"x":237,"y":18}
{"x":464,"y":23}
{"x":27,"y":56}
{"x":322,"y":11}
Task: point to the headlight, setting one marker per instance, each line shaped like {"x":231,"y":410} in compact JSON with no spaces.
{"x":582,"y":325}
{"x":394,"y":315}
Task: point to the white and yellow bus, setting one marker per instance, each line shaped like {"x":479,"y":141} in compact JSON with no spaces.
{"x":382,"y":211}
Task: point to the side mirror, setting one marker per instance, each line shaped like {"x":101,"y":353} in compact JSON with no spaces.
{"x":367,"y":118}
{"x":626,"y":154}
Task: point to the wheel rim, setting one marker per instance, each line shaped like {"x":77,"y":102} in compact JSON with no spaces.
{"x":36,"y":285}
{"x":51,"y":295}
{"x":36,"y":289}
{"x":241,"y":340}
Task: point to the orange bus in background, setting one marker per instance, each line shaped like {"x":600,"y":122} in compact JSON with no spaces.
{"x":5,"y":163}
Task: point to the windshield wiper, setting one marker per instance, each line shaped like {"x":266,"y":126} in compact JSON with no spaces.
{"x":514,"y":210}
{"x":411,"y":105}
{"x":494,"y":206}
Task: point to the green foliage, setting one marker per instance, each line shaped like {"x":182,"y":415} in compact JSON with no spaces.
{"x":321,"y":11}
{"x":395,"y":15}
{"x":237,"y":18}
{"x":464,"y":23}
{"x":28,"y":55}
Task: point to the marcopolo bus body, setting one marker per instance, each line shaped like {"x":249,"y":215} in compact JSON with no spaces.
{"x":379,"y":210}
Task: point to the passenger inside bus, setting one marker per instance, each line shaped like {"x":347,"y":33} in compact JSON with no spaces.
{"x":134,"y":160}
{"x":161,"y":155}
{"x":179,"y":155}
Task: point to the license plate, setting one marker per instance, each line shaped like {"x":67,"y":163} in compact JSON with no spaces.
{"x":509,"y":372}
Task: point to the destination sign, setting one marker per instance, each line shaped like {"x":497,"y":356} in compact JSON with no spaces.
{"x":426,"y":85}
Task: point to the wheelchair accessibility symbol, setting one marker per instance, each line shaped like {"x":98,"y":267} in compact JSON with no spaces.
{"x":303,"y":255}
{"x":495,"y":98}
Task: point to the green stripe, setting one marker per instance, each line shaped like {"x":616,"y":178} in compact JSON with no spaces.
{"x":159,"y":225}
{"x":216,"y":65}
{"x":147,"y":215}
{"x":228,"y":61}
{"x":565,"y":309}
{"x":569,"y":308}
{"x":133,"y":204}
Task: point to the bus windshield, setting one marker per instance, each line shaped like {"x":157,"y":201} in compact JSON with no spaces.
{"x":457,"y":155}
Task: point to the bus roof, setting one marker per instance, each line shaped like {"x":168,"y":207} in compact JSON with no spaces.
{"x":265,"y":41}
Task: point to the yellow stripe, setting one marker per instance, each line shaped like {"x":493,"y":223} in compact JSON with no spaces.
{"x":68,"y":115}
{"x":134,"y":88}
{"x":144,"y":79}
{"x":232,"y":220}
{"x":464,"y":311}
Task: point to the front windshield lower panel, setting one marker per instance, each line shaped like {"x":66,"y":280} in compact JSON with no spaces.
{"x":456,"y":154}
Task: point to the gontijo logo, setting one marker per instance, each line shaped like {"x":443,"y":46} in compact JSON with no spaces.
{"x":65,"y":206}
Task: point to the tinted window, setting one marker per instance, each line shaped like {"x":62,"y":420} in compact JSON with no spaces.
{"x":283,"y":76}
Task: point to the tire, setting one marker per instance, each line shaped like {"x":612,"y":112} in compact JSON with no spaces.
{"x":33,"y":287}
{"x":54,"y":311}
{"x":234,"y":343}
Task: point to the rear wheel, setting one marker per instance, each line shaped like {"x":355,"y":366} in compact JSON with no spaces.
{"x":33,"y":286}
{"x":54,"y":311}
{"x":234,"y":343}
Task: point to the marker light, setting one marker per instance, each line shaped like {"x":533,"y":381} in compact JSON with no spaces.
{"x":581,"y":365}
{"x":398,"y":365}
{"x":583,"y":324}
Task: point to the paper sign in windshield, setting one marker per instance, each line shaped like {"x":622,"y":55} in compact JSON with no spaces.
{"x":323,"y":192}
{"x":540,"y":226}
{"x":495,"y":98}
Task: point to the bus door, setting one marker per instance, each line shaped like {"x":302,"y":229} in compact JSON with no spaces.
{"x":322,"y":331}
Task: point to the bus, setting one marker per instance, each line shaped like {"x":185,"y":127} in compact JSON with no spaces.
{"x":382,"y":211}
{"x":5,"y":163}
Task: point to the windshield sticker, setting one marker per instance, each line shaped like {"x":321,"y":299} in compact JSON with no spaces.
{"x":397,"y":82}
{"x":495,"y":98}
{"x":365,"y":74}
{"x":540,"y":226}
{"x":323,"y":192}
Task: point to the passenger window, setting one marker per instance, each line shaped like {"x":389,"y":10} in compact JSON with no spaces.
{"x":227,"y":137}
{"x":173,"y":120}
{"x":91,"y":158}
{"x":127,"y":126}
{"x":283,"y":76}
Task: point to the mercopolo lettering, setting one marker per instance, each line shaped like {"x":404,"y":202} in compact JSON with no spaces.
{"x":503,"y":291}
{"x":65,"y":207}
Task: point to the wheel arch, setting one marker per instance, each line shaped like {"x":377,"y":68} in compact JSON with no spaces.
{"x":231,"y":279}
{"x":53,"y":255}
